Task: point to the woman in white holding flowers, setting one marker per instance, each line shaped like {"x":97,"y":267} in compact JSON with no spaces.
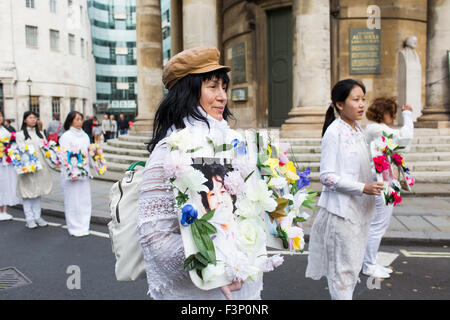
{"x":8,"y":177}
{"x":77,"y":190}
{"x":197,"y":100}
{"x":31,"y":186}
{"x":346,"y":205}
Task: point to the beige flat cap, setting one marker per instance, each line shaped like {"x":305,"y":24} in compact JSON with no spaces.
{"x":191,"y":61}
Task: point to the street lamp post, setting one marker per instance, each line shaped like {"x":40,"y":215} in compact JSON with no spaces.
{"x":29,"y":82}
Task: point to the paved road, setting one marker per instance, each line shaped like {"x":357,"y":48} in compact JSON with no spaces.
{"x":43,"y":255}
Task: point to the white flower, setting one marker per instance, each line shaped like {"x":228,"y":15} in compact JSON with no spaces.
{"x":278,"y":183}
{"x":270,"y":263}
{"x":259,"y":193}
{"x":247,"y":208}
{"x":213,"y":271}
{"x":192,"y":182}
{"x":234,"y":183}
{"x":177,"y":164}
{"x":244,"y":166}
{"x":250,"y":236}
{"x":295,"y":234}
{"x":179,"y":139}
{"x":237,"y":267}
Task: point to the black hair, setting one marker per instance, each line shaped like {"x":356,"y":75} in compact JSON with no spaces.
{"x":24,"y":125}
{"x":69,"y":119}
{"x":210,"y":171}
{"x":339,"y":93}
{"x":182,"y":101}
{"x":3,"y":118}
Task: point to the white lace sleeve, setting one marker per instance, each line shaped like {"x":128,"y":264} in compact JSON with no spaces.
{"x":159,"y":231}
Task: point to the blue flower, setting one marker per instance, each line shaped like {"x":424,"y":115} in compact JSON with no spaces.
{"x":304,"y":179}
{"x":189,"y":214}
{"x":239,"y":147}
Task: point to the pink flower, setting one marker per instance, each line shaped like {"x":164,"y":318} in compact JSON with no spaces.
{"x":397,"y":198}
{"x":381,"y":163}
{"x":284,"y":147}
{"x":410,"y":180}
{"x":397,"y":159}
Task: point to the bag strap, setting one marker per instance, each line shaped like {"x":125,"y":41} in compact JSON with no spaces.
{"x":134,"y":164}
{"x":59,"y":126}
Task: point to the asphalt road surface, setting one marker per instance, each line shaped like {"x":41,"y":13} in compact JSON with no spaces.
{"x":67,"y":268}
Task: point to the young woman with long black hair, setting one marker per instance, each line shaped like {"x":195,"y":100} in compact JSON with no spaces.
{"x":31,"y":186}
{"x":8,"y":179}
{"x":346,"y":205}
{"x":77,"y":191}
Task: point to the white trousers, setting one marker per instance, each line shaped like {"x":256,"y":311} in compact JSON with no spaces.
{"x":32,"y":208}
{"x":378,"y":227}
{"x":77,"y":205}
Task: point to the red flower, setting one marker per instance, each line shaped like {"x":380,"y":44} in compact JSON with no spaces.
{"x":8,"y":159}
{"x":397,"y":198}
{"x":381,"y":163}
{"x":397,"y":159}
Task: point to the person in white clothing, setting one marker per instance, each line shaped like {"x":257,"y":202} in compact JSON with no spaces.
{"x":381,"y":114}
{"x":346,"y":205}
{"x":77,"y":191}
{"x":197,"y":100}
{"x":8,"y":178}
{"x":31,"y":186}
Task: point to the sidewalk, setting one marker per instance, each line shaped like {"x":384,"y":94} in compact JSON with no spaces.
{"x":422,"y":218}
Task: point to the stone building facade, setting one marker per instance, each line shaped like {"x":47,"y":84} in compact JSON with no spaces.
{"x":46,"y":61}
{"x":287,"y":54}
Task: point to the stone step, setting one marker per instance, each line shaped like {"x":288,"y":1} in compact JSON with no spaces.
{"x":131,"y":138}
{"x":107,"y":149}
{"x":414,"y":148}
{"x":123,"y":159}
{"x":410,"y":157}
{"x":126,"y":144}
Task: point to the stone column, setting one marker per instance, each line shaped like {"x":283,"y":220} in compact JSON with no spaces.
{"x":149,"y":62}
{"x":176,"y":26}
{"x":436,"y":113}
{"x":199,"y":23}
{"x":312,"y":67}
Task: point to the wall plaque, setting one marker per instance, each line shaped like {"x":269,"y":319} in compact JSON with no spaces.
{"x":239,"y":63}
{"x":365,"y":51}
{"x":239,"y":94}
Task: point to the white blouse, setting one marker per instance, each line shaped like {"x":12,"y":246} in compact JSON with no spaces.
{"x":340,"y":166}
{"x":402,"y":136}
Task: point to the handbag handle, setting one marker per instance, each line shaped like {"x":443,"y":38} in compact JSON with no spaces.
{"x":134,"y":164}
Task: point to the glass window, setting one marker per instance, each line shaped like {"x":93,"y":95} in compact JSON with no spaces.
{"x":71,"y":43}
{"x":70,"y":7}
{"x":53,"y":6}
{"x":82,"y":47}
{"x":35,"y":105}
{"x":29,"y":3}
{"x":54,"y":39}
{"x":31,"y":36}
{"x":56,"y":106}
{"x":72,"y":104}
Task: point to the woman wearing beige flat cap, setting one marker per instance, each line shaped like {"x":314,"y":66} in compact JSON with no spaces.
{"x":197,"y":99}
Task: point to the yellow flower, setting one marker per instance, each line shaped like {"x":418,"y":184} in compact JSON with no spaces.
{"x":33,"y":168}
{"x":1,"y":154}
{"x":297,"y":243}
{"x":47,"y":154}
{"x":290,"y":172}
{"x":269,"y":149}
{"x":273,"y":164}
{"x":26,"y":147}
{"x":18,"y":157}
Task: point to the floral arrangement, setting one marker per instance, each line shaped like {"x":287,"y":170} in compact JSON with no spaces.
{"x":24,"y":158}
{"x":50,"y":149}
{"x":386,"y":157}
{"x":96,"y":154}
{"x":74,"y":163}
{"x":288,"y":187}
{"x":5,"y":145}
{"x":221,"y":225}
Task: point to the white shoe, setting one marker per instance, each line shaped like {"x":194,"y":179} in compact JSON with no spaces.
{"x":375,"y":272}
{"x":31,"y":224}
{"x":5,"y":216}
{"x":383,"y":268}
{"x":41,"y":222}
{"x":80,"y":234}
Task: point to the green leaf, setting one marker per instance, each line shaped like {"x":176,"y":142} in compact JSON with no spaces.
{"x":283,"y":236}
{"x":208,"y":216}
{"x":181,"y":198}
{"x":206,"y":227}
{"x":193,"y":150}
{"x":298,"y":219}
{"x":222,"y":148}
{"x":201,"y":259}
{"x":203,"y":242}
{"x":210,"y":141}
{"x":246,"y":178}
{"x":189,"y":263}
